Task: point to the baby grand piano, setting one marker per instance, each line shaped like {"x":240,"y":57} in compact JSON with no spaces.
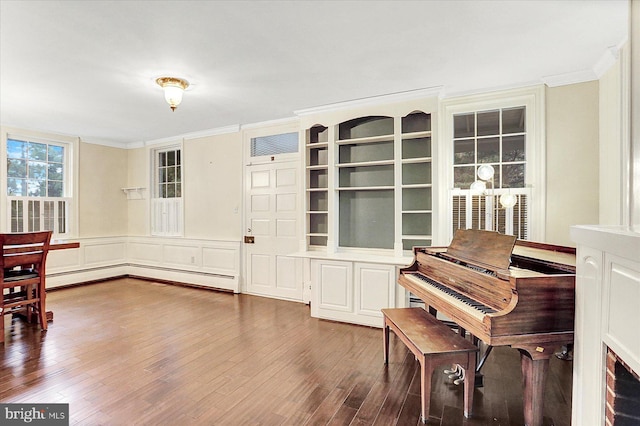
{"x":505,"y":293}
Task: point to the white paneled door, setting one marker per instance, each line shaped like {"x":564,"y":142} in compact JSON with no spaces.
{"x":272,"y":217}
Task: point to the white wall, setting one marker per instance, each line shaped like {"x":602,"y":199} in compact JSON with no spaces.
{"x":102,"y":204}
{"x":611,"y":142}
{"x":213,"y":187}
{"x":572,"y":159}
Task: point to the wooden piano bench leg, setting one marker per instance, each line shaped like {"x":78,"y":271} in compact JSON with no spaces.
{"x":469,"y":384}
{"x":426,"y":372}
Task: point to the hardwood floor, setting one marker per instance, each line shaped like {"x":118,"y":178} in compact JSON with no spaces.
{"x":128,"y":352}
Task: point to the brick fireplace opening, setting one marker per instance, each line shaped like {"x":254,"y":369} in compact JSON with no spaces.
{"x":623,"y":393}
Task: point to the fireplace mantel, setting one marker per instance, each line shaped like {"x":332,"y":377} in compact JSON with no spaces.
{"x":607,"y":313}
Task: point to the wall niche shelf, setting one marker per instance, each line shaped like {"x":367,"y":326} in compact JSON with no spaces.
{"x":134,"y":192}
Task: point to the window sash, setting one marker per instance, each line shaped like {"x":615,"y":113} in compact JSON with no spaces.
{"x":167,"y":217}
{"x":36,"y":173}
{"x":168,"y":173}
{"x":476,"y":211}
{"x":32,"y":214}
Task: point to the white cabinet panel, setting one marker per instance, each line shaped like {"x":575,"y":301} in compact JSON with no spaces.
{"x":375,"y":288}
{"x":335,"y":286}
{"x":620,"y":312}
{"x":352,"y":292}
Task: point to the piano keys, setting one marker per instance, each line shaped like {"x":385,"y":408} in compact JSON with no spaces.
{"x":505,"y":293}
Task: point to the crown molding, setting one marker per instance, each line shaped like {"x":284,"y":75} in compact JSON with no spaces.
{"x":483,"y":91}
{"x":104,"y":142}
{"x":606,"y":61}
{"x":271,"y":123}
{"x":234,"y":128}
{"x":374,"y":100}
{"x":569,"y":78}
{"x":186,"y":136}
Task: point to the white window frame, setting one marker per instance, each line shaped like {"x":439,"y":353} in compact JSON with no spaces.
{"x":533,"y":99}
{"x":166,"y":214}
{"x":70,"y":185}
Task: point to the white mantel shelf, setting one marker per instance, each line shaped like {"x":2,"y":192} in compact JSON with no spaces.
{"x":607,"y":313}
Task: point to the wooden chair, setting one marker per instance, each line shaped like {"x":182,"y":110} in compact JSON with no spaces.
{"x":22,"y":275}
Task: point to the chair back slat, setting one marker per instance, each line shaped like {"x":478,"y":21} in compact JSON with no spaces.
{"x":23,"y":259}
{"x":23,"y":238}
{"x":24,"y":249}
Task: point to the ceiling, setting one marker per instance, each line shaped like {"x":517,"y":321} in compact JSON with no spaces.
{"x":87,"y":68}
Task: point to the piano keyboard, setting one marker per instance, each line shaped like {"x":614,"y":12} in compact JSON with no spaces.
{"x":477,"y":309}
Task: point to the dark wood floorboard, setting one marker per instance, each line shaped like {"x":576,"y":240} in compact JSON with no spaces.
{"x":132,"y":352}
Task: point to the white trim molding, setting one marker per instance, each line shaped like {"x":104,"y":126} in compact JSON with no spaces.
{"x":429,"y":92}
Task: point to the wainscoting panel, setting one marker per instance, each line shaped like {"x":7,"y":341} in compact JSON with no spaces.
{"x":64,"y":260}
{"x":208,"y":263}
{"x":221,"y":260}
{"x":104,"y":254}
{"x":144,"y":252}
{"x":181,"y":256}
{"x":95,"y":259}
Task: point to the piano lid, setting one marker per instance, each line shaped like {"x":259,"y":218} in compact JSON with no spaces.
{"x":488,"y":248}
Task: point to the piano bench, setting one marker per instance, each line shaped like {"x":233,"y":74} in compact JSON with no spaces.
{"x":433,"y":344}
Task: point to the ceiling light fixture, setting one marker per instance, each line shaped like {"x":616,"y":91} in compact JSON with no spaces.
{"x":173,"y":88}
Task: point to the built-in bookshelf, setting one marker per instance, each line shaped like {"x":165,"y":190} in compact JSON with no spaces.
{"x":317,"y":148}
{"x":366,"y":182}
{"x":369,"y":183}
{"x":416,"y":185}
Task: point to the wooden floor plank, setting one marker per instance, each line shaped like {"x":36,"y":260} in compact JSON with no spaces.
{"x":136,"y":352}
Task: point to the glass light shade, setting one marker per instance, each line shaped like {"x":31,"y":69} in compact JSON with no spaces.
{"x":485,"y":172}
{"x":508,"y":200}
{"x":173,"y":95}
{"x":478,"y":187}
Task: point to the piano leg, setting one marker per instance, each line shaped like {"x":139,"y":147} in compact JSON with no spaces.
{"x":534,"y":376}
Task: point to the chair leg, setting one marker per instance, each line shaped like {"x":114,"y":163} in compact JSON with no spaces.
{"x":2,"y":324}
{"x":42,"y":314}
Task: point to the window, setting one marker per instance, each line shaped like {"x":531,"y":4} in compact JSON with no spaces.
{"x":166,"y":203}
{"x":504,"y":133}
{"x":37,"y":185}
{"x":497,"y":138}
{"x":284,"y":143}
